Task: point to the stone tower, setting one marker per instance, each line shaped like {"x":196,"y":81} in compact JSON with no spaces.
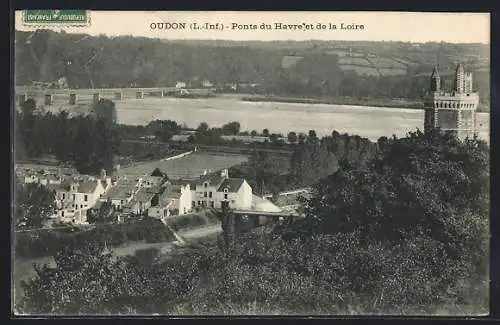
{"x":452,"y":110}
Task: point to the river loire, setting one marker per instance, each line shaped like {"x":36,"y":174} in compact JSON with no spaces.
{"x":369,"y":122}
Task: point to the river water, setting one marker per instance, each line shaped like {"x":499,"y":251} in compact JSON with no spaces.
{"x":366,"y":121}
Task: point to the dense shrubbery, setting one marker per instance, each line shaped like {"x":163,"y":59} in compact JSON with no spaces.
{"x":88,"y":142}
{"x":191,"y":221}
{"x":406,"y":233}
{"x":47,"y":243}
{"x":312,"y":160}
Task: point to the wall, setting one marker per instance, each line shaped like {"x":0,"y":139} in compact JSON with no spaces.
{"x":185,"y":200}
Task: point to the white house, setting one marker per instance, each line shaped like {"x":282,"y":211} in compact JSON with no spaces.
{"x":236,"y":192}
{"x":175,"y":199}
{"x":74,"y":198}
{"x":211,"y":190}
{"x":180,"y":84}
{"x":207,"y":83}
{"x":49,"y":179}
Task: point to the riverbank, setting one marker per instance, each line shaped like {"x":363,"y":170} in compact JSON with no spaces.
{"x":390,"y":103}
{"x":338,"y":101}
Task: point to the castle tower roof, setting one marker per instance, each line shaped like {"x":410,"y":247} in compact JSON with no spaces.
{"x":435,"y":72}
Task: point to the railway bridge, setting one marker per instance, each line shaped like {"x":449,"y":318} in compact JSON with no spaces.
{"x":74,"y":95}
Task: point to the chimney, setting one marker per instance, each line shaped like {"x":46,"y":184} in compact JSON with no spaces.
{"x":224,"y":173}
{"x":103,"y":174}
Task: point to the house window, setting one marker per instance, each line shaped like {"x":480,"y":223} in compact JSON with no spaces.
{"x":209,"y":194}
{"x":212,"y":204}
{"x":199,"y":202}
{"x":205,"y":194}
{"x":225,"y":190}
{"x":85,"y":197}
{"x":225,"y":196}
{"x":206,"y":185}
{"x":193,"y":204}
{"x":81,"y":206}
{"x":73,"y":197}
{"x":121,"y":201}
{"x":64,"y":196}
{"x":62,"y":214}
{"x":232,"y":201}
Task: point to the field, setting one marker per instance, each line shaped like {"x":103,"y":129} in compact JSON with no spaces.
{"x":360,"y":70}
{"x":189,"y":166}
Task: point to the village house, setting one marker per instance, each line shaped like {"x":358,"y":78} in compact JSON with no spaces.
{"x":214,"y":190}
{"x":180,"y":84}
{"x":120,"y":195}
{"x":75,"y":196}
{"x":133,"y":196}
{"x":175,"y":199}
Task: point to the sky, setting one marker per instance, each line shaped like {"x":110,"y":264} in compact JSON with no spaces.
{"x":377,"y":26}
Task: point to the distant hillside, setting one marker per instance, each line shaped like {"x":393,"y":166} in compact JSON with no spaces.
{"x":308,"y":68}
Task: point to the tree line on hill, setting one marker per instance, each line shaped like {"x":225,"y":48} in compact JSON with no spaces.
{"x":406,"y":232}
{"x":102,"y":62}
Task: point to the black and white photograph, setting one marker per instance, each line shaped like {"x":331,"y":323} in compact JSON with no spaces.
{"x":238,"y":163}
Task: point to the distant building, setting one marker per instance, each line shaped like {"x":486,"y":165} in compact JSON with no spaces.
{"x":452,"y":110}
{"x":207,"y":84}
{"x":180,"y":84}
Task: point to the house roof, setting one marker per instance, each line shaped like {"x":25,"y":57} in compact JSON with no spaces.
{"x":52,"y":187}
{"x":214,"y":179}
{"x":50,"y":177}
{"x":175,"y":192}
{"x":87,"y":186}
{"x":144,"y":196}
{"x":64,"y":186}
{"x":119,"y":192}
{"x":231,"y":184}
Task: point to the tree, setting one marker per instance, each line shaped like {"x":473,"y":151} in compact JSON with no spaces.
{"x":253,"y":133}
{"x":232,"y":128}
{"x":103,"y":215}
{"x":105,"y":109}
{"x":202,"y":128}
{"x":157,"y":172}
{"x":34,"y":205}
{"x":265,"y":132}
{"x":82,"y":282}
{"x":301,"y":138}
{"x":28,"y":107}
{"x":292,"y":137}
{"x":418,"y":181}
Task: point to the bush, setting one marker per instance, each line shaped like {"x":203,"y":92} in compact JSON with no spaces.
{"x":147,"y":255}
{"x":185,"y":222}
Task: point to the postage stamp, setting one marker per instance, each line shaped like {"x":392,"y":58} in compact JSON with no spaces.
{"x":59,"y":18}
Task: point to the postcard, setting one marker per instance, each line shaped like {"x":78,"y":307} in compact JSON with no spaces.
{"x":250,"y":163}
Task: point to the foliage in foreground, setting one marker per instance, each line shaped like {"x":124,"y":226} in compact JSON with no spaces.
{"x":407,"y":234}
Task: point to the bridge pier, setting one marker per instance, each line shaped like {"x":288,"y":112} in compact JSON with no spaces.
{"x":139,"y":95}
{"x":96,"y":97}
{"x":48,"y":99}
{"x":72,"y":99}
{"x":118,"y":95}
{"x":22,"y":98}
